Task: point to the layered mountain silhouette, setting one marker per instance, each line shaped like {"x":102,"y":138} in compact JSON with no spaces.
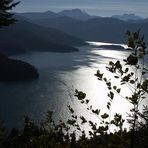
{"x":73,"y":13}
{"x":24,"y":36}
{"x":82,"y":25}
{"x":97,"y":29}
{"x":38,"y":15}
{"x":63,"y":31}
{"x":128,"y":17}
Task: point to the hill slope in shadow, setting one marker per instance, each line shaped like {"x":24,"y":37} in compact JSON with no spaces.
{"x":24,"y":36}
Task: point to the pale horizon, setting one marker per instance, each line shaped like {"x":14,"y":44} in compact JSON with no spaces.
{"x":92,"y":7}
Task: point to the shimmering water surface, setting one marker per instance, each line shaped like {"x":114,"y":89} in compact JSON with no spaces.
{"x":60,"y":75}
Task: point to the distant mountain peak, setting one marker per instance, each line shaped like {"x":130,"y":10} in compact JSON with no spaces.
{"x":49,"y":12}
{"x":127,"y":17}
{"x":76,"y":10}
{"x":75,"y":13}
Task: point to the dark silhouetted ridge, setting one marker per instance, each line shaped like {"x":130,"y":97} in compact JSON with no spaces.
{"x":16,"y":70}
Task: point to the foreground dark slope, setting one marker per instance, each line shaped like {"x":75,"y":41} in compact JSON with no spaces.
{"x":27,"y":36}
{"x":97,"y":29}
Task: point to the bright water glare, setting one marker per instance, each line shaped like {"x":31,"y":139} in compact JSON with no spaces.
{"x":60,"y":75}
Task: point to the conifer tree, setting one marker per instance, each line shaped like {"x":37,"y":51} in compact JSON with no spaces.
{"x":5,"y":14}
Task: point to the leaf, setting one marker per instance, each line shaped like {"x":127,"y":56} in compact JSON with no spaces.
{"x":91,"y":123}
{"x":99,"y":75}
{"x":132,"y":81}
{"x":96,"y":111}
{"x":132,"y":60}
{"x":78,"y":128}
{"x":122,"y":83}
{"x":118,"y":90}
{"x":75,"y":117}
{"x":87,"y":101}
{"x":108,"y":106}
{"x":105,"y":79}
{"x":91,"y":107}
{"x":118,"y":65}
{"x":105,"y":115}
{"x":108,"y":103}
{"x":115,"y":87}
{"x":108,"y":83}
{"x":143,"y":97}
{"x":83,"y":120}
{"x":90,"y":133}
{"x":71,"y":122}
{"x":109,"y":88}
{"x":111,"y":95}
{"x":145,"y":85}
{"x":111,"y":63}
{"x":126,"y":70}
{"x":70,"y":109}
{"x":80,"y":95}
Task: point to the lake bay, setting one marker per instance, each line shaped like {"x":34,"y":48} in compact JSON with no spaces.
{"x":60,"y":75}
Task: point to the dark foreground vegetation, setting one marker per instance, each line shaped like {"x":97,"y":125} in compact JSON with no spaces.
{"x":72,"y":134}
{"x":33,"y":136}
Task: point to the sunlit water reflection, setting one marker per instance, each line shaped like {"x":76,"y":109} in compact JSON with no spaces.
{"x":60,"y":75}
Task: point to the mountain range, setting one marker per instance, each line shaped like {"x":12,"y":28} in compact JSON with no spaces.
{"x":74,"y":13}
{"x":93,"y":28}
{"x":65,"y":30}
{"x":24,"y":36}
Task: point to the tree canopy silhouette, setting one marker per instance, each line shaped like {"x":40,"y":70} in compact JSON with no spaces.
{"x":5,"y":14}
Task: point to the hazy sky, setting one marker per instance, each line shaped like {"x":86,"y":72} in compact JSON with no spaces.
{"x":97,"y":7}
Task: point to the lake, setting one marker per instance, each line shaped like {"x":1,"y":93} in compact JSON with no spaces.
{"x":60,"y":75}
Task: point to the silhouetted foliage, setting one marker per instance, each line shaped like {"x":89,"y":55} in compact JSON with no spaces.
{"x":5,"y":14}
